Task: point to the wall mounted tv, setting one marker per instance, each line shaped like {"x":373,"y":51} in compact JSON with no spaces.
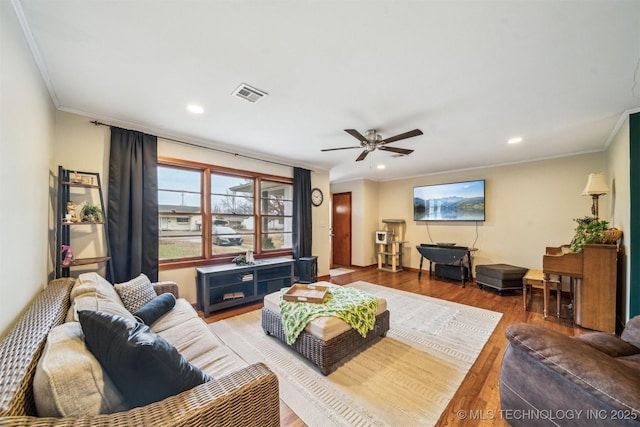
{"x":457,"y":201}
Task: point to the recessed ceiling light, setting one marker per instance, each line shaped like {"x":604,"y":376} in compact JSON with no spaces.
{"x":380,"y":167}
{"x":515,"y":140}
{"x":195,"y":109}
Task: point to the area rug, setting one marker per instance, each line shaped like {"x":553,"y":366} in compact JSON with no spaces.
{"x":339,"y":271}
{"x":407,"y":378}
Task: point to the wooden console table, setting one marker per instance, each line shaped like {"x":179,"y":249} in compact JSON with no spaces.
{"x":448,"y":255}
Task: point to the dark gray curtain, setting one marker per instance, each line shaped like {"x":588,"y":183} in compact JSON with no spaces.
{"x":301,"y":213}
{"x":133,"y":205}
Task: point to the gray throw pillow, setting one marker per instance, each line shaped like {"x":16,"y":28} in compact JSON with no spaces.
{"x":136,"y":292}
{"x":142,"y":365}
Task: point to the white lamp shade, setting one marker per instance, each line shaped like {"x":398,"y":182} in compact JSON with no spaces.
{"x":596,"y":184}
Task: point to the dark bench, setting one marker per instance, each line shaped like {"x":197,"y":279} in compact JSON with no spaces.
{"x":500,"y":277}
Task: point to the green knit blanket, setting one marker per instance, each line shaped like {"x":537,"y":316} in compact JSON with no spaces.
{"x":356,"y":307}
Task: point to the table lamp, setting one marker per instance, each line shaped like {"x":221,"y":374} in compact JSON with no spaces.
{"x":596,"y":187}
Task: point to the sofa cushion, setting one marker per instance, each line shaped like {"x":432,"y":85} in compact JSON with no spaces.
{"x":144,"y":366}
{"x":92,"y":292}
{"x":136,"y":292}
{"x":69,"y":381}
{"x":154,"y":309}
{"x":631,"y":332}
{"x":633,"y":362}
{"x":597,"y":373}
{"x":94,"y":283}
{"x":191,"y":336}
{"x":608,"y":344}
{"x":96,"y":302}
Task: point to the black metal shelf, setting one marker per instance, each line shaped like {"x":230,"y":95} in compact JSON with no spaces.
{"x":63,"y":228}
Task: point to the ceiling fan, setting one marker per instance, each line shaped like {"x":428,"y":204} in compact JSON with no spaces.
{"x":374,"y":140}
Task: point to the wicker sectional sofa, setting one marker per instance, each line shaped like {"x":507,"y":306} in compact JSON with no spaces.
{"x":238,"y":394}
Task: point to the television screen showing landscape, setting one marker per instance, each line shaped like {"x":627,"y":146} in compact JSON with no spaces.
{"x":459,"y":201}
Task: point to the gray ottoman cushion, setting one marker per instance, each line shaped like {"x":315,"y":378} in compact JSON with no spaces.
{"x":502,"y":271}
{"x":500,"y":276}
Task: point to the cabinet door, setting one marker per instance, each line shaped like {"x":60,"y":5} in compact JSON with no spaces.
{"x":598,"y":293}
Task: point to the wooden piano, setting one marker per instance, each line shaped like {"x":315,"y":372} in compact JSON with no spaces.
{"x":594,"y":271}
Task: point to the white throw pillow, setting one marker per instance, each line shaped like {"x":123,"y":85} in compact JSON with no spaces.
{"x":92,"y":292}
{"x":136,"y":292}
{"x":95,"y":302}
{"x":69,"y":380}
{"x":94,"y":283}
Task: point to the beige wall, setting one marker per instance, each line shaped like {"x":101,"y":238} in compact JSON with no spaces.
{"x":620,"y":201}
{"x":364,"y":218}
{"x":528,"y":206}
{"x":82,"y":146}
{"x":27,"y":121}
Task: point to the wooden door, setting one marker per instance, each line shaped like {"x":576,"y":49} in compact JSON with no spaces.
{"x":341,"y":224}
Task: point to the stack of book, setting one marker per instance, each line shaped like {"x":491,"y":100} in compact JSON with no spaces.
{"x":233,"y":295}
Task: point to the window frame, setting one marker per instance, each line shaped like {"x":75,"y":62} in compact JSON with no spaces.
{"x":208,"y":258}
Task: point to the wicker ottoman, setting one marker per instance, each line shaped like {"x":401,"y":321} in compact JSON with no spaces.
{"x":500,"y":276}
{"x":327,"y":342}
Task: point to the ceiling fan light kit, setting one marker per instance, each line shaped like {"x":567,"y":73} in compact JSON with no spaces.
{"x":374,"y":141}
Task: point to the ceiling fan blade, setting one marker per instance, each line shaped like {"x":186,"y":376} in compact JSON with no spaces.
{"x":396,"y":150}
{"x":405,"y":135}
{"x":357,"y":135}
{"x":362,"y":155}
{"x":341,"y":148}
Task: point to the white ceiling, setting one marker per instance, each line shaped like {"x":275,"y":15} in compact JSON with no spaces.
{"x":469,"y":74}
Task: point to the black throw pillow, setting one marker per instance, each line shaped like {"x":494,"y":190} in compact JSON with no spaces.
{"x":144,"y":367}
{"x":154,"y":309}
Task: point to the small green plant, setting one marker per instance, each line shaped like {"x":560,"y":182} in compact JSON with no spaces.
{"x":589,"y":230}
{"x":92,"y":213}
{"x":241,"y":260}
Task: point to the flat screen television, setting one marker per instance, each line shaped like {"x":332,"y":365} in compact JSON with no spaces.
{"x":456,"y":201}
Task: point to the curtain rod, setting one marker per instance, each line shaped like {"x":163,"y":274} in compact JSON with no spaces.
{"x":97,"y":123}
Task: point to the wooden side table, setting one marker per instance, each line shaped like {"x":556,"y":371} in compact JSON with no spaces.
{"x":536,"y":279}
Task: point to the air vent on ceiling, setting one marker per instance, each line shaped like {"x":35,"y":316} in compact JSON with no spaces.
{"x":248,"y":93}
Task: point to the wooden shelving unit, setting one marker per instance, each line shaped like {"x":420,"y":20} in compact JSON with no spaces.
{"x":64,"y":235}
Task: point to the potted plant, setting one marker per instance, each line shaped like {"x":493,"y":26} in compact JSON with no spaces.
{"x":589,"y":230}
{"x":92,"y":213}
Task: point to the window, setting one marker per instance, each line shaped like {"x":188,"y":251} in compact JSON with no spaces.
{"x":232,"y":213}
{"x":276,"y":200}
{"x":209,"y":213}
{"x":180,"y":213}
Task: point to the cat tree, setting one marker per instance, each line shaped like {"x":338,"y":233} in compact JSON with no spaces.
{"x":390,"y":241}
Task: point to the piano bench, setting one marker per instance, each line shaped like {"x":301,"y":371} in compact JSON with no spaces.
{"x":501,"y":277}
{"x":535,"y":279}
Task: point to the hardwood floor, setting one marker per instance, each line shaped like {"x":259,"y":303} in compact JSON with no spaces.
{"x":478,"y":396}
